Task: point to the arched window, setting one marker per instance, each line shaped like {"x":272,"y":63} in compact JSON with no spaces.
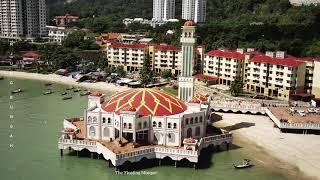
{"x":200,"y":119}
{"x":159,"y":124}
{"x":197,"y":131}
{"x":169,"y":125}
{"x":156,"y":138}
{"x":171,"y":137}
{"x":189,"y":133}
{"x":145,"y":124}
{"x":106,"y":132}
{"x":89,"y":119}
{"x":109,"y":120}
{"x":104,"y":120}
{"x":92,"y":131}
{"x":154,"y":124}
{"x":196,"y":120}
{"x":125,"y":125}
{"x":94,"y":119}
{"x":130,"y":126}
{"x":189,"y":34}
{"x":174,"y":125}
{"x":139,"y":125}
{"x":185,"y":34}
{"x":191,"y":120}
{"x":187,"y":121}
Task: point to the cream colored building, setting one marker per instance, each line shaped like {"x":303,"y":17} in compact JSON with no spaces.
{"x":316,"y":79}
{"x":224,"y":64}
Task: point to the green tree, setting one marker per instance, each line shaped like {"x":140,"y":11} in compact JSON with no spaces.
{"x":146,"y":73}
{"x":166,"y":74}
{"x":120,"y":71}
{"x":236,"y":87}
{"x":4,"y":47}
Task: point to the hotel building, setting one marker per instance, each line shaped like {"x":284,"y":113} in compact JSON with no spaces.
{"x":21,"y":19}
{"x":194,"y":10}
{"x":163,"y":10}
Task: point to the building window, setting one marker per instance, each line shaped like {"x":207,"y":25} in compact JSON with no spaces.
{"x":156,"y":137}
{"x":109,"y":120}
{"x":92,"y":131}
{"x":174,"y":125}
{"x":171,"y":137}
{"x":154,"y":124}
{"x":191,"y":120}
{"x":139,"y":125}
{"x":189,"y":133}
{"x":125,"y":125}
{"x":159,"y":124}
{"x":106,"y":132}
{"x":196,"y":120}
{"x":187,"y":121}
{"x":145,"y":124}
{"x":104,"y":120}
{"x":130,"y":126}
{"x":94,"y":119}
{"x":200,"y":119}
{"x":169,"y":125}
{"x":198,"y":131}
{"x":89,"y":119}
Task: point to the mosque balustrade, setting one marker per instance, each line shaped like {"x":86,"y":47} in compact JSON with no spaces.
{"x":76,"y":142}
{"x":215,"y":140}
{"x":173,"y":151}
{"x":136,"y":153}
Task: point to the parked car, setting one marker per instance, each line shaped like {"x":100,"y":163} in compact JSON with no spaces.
{"x":302,"y":113}
{"x":292,"y":110}
{"x":317,"y":111}
{"x":311,"y":110}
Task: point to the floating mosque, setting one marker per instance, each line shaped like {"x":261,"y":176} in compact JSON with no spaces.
{"x":147,"y":122}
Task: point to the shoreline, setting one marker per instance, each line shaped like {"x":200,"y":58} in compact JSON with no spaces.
{"x":54,"y":78}
{"x":297,"y":153}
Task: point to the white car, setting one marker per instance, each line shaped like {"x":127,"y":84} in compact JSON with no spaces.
{"x":311,"y":110}
{"x":302,"y":113}
{"x":317,"y":111}
{"x":292,"y":110}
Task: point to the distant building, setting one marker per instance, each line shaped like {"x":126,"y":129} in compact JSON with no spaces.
{"x":304,"y":2}
{"x":58,"y":34}
{"x":22,"y":19}
{"x":65,"y":20}
{"x":194,"y":10}
{"x":316,"y":79}
{"x":163,"y":9}
{"x":152,"y":22}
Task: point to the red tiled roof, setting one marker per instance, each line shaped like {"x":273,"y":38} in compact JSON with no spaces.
{"x":167,"y":48}
{"x":31,"y":54}
{"x":311,"y":59}
{"x":227,"y":54}
{"x":188,"y":23}
{"x":289,"y":61}
{"x":67,"y":16}
{"x":207,"y":77}
{"x":147,"y":101}
{"x":97,"y":94}
{"x":132,"y":46}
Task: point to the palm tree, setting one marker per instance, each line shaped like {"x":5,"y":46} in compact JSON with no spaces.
{"x":236,"y":87}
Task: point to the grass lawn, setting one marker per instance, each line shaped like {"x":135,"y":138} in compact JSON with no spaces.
{"x":170,"y":90}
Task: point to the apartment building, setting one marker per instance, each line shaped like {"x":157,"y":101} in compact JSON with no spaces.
{"x":194,"y":10}
{"x":316,"y":79}
{"x":22,"y":19}
{"x":275,"y":75}
{"x":163,"y":10}
{"x":225,"y":64}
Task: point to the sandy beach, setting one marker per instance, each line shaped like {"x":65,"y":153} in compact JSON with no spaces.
{"x":53,"y":78}
{"x":298,"y":150}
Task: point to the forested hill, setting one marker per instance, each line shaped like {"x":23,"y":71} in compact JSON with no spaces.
{"x":263,"y":24}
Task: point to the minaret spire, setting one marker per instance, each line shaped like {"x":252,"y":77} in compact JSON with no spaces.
{"x":186,"y":81}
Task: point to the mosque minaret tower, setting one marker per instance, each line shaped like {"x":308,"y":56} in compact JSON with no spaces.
{"x":186,"y":80}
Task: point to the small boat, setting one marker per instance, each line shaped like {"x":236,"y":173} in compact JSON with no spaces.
{"x":47,"y":92}
{"x":76,"y":90}
{"x":245,"y":164}
{"x":64,"y":93}
{"x":16,"y":91}
{"x":85,"y":93}
{"x":48,"y":84}
{"x":66,"y":98}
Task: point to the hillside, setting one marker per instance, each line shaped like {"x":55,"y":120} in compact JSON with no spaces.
{"x":263,"y":24}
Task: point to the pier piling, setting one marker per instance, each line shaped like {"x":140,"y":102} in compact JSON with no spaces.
{"x":175,"y":164}
{"x":228,"y":145}
{"x":159,"y":162}
{"x":61,"y":152}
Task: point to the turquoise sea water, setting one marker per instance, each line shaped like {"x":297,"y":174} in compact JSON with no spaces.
{"x":37,"y":122}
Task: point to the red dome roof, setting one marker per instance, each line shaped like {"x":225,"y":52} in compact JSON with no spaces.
{"x":189,"y":23}
{"x":146,"y":101}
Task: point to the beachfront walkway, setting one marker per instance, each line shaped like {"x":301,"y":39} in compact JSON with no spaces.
{"x":297,"y":149}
